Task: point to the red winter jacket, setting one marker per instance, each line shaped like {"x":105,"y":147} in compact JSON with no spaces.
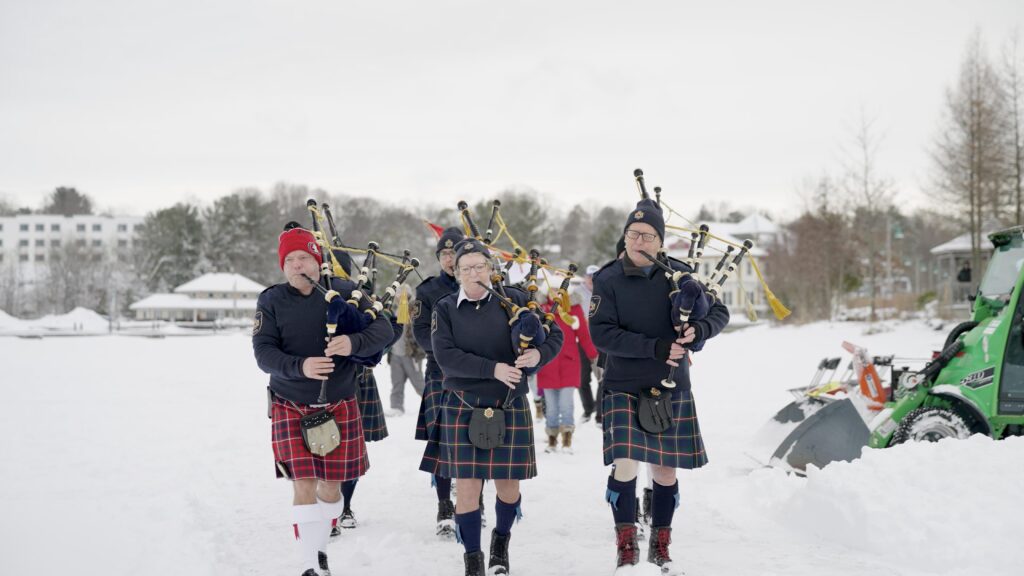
{"x":564,"y":370}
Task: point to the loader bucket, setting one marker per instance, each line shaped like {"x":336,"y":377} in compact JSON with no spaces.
{"x":828,"y":432}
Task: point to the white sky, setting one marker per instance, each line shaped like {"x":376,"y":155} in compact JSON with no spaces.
{"x":141,"y":103}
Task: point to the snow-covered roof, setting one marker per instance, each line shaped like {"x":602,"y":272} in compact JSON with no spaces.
{"x":185,"y":302}
{"x":220,"y":282}
{"x":679,"y":247}
{"x":961,"y":244}
{"x":756,"y":224}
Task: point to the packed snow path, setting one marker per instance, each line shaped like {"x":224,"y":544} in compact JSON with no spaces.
{"x":142,"y":456}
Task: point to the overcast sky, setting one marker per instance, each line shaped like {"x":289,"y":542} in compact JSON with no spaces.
{"x":140,"y":104}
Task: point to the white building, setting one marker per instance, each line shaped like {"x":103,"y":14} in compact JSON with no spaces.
{"x":210,"y":297}
{"x":29,"y":241}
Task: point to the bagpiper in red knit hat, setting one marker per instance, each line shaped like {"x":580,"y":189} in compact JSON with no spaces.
{"x":297,"y":239}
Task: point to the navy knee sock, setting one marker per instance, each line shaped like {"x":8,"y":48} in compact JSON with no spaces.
{"x":664,"y":502}
{"x":347,"y":488}
{"x":467,"y":530}
{"x":443,"y":487}
{"x":622,"y":497}
{"x":506,"y":515}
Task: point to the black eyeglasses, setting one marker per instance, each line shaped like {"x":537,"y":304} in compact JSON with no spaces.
{"x":634,"y":234}
{"x":476,"y":268}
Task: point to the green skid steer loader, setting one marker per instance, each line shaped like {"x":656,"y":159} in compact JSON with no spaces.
{"x":975,"y":385}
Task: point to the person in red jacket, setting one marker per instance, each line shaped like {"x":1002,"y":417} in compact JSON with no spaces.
{"x":560,"y":379}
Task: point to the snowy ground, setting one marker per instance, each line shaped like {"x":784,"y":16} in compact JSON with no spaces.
{"x":129,"y":455}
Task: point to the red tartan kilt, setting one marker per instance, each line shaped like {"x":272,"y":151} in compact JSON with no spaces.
{"x":347,"y":462}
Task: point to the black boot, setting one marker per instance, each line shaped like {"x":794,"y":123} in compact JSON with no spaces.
{"x":324,"y":569}
{"x":499,"y":553}
{"x":627,"y":549}
{"x":445,"y":518}
{"x":310,"y":572}
{"x":474,"y":563}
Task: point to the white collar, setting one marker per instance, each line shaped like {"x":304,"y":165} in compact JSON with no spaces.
{"x":463,"y":296}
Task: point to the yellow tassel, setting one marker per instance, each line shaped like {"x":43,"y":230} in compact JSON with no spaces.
{"x":339,"y":272}
{"x":778,"y":308}
{"x":403,"y":308}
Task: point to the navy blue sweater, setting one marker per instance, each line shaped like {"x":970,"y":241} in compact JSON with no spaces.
{"x":631,"y":321}
{"x":290,"y":327}
{"x":427,"y":294}
{"x":469,"y":342}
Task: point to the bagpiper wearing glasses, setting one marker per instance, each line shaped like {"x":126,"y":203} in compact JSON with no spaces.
{"x":427,"y":294}
{"x":485,"y":345}
{"x":648,"y":411}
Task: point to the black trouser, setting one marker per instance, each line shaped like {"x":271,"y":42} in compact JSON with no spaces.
{"x":586,"y":393}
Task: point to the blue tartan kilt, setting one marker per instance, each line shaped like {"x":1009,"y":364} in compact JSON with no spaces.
{"x":681,"y":446}
{"x":430,"y":407}
{"x":458,"y":458}
{"x":374,"y":426}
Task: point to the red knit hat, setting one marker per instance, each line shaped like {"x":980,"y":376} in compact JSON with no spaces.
{"x":297,"y":239}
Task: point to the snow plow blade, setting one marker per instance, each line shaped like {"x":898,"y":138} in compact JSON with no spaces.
{"x":834,"y":432}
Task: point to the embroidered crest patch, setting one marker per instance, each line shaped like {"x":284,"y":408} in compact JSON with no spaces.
{"x":417,"y":309}
{"x":595,"y":303}
{"x":638,"y":215}
{"x":257,"y":323}
{"x":448,"y":243}
{"x":313,"y":249}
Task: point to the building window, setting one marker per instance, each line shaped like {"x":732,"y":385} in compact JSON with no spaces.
{"x":122,"y":243}
{"x":80,"y":242}
{"x":97,"y":242}
{"x":54,"y":227}
{"x":122,"y":227}
{"x":1,"y":227}
{"x":40,"y":242}
{"x":23,"y":242}
{"x":1,"y":241}
{"x":55,"y":243}
{"x":40,"y":257}
{"x":80,"y":228}
{"x":40,"y":227}
{"x":23,"y":258}
{"x":23,"y":228}
{"x":97,"y":227}
{"x":96,"y":257}
{"x":728,"y":298}
{"x":137,"y":227}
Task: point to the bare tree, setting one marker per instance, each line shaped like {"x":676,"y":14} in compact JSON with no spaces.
{"x":868,"y":197}
{"x":968,"y":156}
{"x":1013,"y":89}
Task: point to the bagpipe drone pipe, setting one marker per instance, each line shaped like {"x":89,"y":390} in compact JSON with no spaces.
{"x":353,"y":315}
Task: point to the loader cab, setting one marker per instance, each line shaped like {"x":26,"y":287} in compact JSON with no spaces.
{"x":1003,"y":273}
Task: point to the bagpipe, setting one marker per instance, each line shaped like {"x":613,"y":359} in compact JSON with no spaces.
{"x":692,"y":293}
{"x":530,"y":324}
{"x":353,"y":315}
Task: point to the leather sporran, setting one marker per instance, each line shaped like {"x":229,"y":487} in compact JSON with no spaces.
{"x":487,"y":428}
{"x":320,"y":432}
{"x":654,"y":410}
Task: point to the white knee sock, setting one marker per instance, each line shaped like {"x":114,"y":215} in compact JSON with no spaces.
{"x":329,"y":512}
{"x":308,"y":523}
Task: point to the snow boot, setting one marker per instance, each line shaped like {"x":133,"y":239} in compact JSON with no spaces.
{"x":325,"y":570}
{"x":552,"y":441}
{"x":627,"y":549}
{"x":657,"y":550}
{"x":474,"y":563}
{"x":567,"y":441}
{"x":446,"y":519}
{"x":499,"y":554}
{"x":310,"y":572}
{"x":539,"y":404}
